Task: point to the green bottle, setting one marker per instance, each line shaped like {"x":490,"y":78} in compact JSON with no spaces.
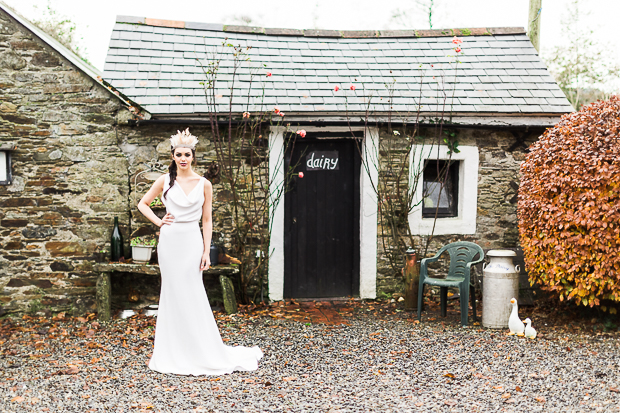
{"x":116,"y":243}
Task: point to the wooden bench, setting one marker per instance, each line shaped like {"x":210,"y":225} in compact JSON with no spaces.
{"x":105,"y":270}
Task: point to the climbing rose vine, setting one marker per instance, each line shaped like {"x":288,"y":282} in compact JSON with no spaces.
{"x":569,"y":206}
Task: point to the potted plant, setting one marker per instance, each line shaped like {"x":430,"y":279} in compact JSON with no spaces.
{"x":142,"y":248}
{"x":156,"y":203}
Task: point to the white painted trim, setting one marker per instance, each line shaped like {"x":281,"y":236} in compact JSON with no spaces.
{"x":369,"y":176}
{"x":465,"y":222}
{"x":276,"y":212}
{"x":369,"y":179}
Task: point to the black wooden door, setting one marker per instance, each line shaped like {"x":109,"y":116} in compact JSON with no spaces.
{"x":321,"y":219}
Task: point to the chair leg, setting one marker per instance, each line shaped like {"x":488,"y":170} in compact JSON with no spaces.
{"x":472,"y":297}
{"x":420,"y":296}
{"x":443,"y":296}
{"x":464,"y":289}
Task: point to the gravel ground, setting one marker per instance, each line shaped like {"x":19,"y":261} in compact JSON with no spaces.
{"x":387,"y":364}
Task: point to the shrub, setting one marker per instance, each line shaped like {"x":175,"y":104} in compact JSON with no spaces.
{"x":569,"y":206}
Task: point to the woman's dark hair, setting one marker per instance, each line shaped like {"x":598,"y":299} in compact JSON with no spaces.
{"x":172,"y":169}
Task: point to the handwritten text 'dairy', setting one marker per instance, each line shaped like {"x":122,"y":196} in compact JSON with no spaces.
{"x":322,"y":160}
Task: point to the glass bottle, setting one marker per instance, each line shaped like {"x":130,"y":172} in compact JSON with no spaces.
{"x":213,"y":254}
{"x":116,"y":243}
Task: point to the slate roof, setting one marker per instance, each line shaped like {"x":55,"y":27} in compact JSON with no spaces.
{"x":156,"y":63}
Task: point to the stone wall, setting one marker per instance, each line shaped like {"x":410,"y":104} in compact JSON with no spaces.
{"x":498,"y":181}
{"x":70,"y":176}
{"x":147,"y":145}
{"x":78,"y":164}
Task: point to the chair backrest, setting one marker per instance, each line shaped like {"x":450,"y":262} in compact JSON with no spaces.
{"x":461,"y":253}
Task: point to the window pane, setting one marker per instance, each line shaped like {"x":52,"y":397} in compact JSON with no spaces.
{"x":3,"y":176}
{"x":440,"y":200}
{"x":433,"y":190}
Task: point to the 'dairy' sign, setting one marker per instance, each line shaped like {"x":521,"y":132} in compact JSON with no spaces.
{"x":322,"y":160}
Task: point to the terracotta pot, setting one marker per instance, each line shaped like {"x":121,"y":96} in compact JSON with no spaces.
{"x":411,"y":273}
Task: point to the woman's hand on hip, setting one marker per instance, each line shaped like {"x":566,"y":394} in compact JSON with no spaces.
{"x":168,"y":219}
{"x":205,"y":261}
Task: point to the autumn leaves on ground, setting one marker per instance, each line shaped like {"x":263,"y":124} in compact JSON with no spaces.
{"x":319,"y":356}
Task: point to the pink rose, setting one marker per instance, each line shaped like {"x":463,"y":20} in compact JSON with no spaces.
{"x":301,"y":133}
{"x":301,"y":174}
{"x":337,"y":88}
{"x":246,"y":115}
{"x":458,"y":50}
{"x":281,"y":113}
{"x":268,"y":74}
{"x":276,"y":110}
{"x":352,"y":87}
{"x":456,"y":40}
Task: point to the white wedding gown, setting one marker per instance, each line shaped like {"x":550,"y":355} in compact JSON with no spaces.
{"x":187,"y":340}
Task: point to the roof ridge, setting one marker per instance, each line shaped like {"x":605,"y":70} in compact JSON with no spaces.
{"x":178,"y":24}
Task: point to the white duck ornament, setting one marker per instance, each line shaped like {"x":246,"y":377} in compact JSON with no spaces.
{"x":529,"y":330}
{"x":515,"y":324}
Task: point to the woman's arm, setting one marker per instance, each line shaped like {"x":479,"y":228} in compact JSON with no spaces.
{"x":207,"y":225}
{"x":143,"y":205}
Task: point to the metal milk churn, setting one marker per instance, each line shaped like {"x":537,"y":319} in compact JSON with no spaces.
{"x":500,"y":284}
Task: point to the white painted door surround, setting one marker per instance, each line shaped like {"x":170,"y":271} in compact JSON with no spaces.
{"x":368,"y":213}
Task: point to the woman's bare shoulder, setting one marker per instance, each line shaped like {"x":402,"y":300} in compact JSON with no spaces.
{"x":161,"y":180}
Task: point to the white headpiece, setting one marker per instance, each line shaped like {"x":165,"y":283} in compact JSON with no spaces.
{"x":183,"y":140}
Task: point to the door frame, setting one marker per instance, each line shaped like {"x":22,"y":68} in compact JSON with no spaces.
{"x":368,"y":179}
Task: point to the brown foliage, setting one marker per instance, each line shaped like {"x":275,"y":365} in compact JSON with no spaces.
{"x":569,"y":206}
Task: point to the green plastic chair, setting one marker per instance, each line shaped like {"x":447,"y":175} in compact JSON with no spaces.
{"x":462,"y":256}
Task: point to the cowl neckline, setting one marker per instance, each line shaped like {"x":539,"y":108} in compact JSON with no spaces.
{"x":179,"y":196}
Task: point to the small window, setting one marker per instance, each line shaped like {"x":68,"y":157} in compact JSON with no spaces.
{"x":5,"y":163}
{"x":441,"y":185}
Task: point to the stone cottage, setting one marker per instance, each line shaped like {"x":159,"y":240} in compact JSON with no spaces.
{"x":81,"y":139}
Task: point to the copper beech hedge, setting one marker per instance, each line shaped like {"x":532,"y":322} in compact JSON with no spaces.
{"x":569,"y":207}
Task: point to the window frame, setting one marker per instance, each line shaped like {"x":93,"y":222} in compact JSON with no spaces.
{"x":453,"y":178}
{"x":7,"y":148}
{"x":465,"y":222}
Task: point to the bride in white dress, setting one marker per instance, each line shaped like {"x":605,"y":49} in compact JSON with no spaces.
{"x":187,"y":340}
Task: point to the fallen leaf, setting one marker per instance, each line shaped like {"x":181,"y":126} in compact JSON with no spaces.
{"x":73,"y":369}
{"x":17,"y":399}
{"x":540,"y":399}
{"x":506,"y":396}
{"x":518,"y":388}
{"x":449,"y":375}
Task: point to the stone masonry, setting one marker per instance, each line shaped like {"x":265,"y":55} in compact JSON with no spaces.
{"x":498,"y":175}
{"x":70,"y":176}
{"x":77,"y":165}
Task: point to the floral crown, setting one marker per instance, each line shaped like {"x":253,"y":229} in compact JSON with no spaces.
{"x":183,"y":140}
